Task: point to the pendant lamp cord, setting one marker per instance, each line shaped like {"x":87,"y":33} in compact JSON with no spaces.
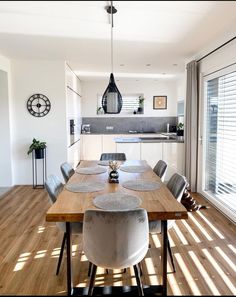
{"x":111,"y":36}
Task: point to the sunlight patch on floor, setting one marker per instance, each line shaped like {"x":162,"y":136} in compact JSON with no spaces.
{"x":204,"y":232}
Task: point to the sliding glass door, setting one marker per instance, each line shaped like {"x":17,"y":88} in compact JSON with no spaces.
{"x":218,"y":174}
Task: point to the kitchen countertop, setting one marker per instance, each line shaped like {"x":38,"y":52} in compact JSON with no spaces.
{"x":178,"y":139}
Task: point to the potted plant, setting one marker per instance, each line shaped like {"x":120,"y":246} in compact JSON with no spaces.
{"x":38,"y":148}
{"x":141,"y":104}
{"x":180,"y":129}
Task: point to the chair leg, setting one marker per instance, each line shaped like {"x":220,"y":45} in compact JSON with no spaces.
{"x":89,"y":270}
{"x":107,"y":271}
{"x":140,"y":268}
{"x":171,"y":256}
{"x":92,"y":280}
{"x":124,"y":271}
{"x":61,"y":253}
{"x":138,"y":280}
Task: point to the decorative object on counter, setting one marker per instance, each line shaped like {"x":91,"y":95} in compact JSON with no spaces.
{"x":134,"y":168}
{"x":85,"y":187}
{"x":91,"y":170}
{"x":180,"y":129}
{"x":111,"y":99}
{"x":189,"y":202}
{"x":141,"y":104}
{"x":38,"y":105}
{"x":38,"y":150}
{"x":117,"y":201}
{"x":159,"y":102}
{"x":141,"y":185}
{"x":113,"y":174}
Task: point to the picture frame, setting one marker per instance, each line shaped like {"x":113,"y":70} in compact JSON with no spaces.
{"x":160,"y":102}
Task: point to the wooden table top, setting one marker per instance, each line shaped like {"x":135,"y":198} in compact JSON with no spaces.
{"x":160,"y":204}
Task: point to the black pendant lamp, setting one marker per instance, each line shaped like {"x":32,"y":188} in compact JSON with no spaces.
{"x":112,"y":99}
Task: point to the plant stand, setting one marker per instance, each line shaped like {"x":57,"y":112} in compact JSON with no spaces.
{"x":35,"y":166}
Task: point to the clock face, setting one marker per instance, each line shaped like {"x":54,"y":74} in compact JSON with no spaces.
{"x":38,"y":105}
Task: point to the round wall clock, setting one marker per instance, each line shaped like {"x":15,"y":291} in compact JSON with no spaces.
{"x":38,"y":105}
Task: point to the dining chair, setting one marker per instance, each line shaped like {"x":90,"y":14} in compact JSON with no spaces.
{"x":160,"y":169}
{"x":127,"y":232}
{"x":67,"y":171}
{"x":113,"y":157}
{"x":176,"y":185}
{"x":54,"y":187}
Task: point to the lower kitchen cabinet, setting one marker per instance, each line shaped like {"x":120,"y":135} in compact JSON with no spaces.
{"x":108,"y":143}
{"x":151,"y":152}
{"x":173,"y":155}
{"x":91,"y":147}
{"x":131,"y":150}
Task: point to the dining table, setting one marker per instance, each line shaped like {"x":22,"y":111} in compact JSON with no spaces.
{"x":159,"y":203}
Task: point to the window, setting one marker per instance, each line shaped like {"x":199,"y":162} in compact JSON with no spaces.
{"x":130,"y":103}
{"x":220,"y":131}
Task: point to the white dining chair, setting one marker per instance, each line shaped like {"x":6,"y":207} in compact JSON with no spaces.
{"x":115,"y":240}
{"x":67,"y":171}
{"x":160,"y":169}
{"x":176,"y":185}
{"x":54,"y":187}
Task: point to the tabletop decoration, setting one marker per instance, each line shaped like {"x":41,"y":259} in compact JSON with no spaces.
{"x":134,"y":168}
{"x":113,"y":174}
{"x":117,"y":201}
{"x":103,"y":163}
{"x":91,"y":170}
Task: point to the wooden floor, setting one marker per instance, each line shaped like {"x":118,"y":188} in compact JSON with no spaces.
{"x":204,"y":248}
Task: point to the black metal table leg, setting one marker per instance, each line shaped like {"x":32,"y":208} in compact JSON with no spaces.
{"x":164,"y":256}
{"x":69,"y":264}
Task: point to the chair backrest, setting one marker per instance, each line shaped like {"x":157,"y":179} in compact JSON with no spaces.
{"x":160,"y":169}
{"x":113,"y":157}
{"x":53,"y":186}
{"x":67,"y":171}
{"x":115,"y":239}
{"x":177,"y":185}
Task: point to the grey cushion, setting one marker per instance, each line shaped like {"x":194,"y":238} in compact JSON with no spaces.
{"x":67,"y":171}
{"x":113,"y":156}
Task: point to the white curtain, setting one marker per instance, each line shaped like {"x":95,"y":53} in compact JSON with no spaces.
{"x":191,"y":125}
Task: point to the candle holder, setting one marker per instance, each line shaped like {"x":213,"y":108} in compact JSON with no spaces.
{"x":113,"y":174}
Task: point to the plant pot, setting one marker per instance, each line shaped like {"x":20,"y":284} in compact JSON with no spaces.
{"x":180,"y":132}
{"x":140,"y":110}
{"x":39,"y":153}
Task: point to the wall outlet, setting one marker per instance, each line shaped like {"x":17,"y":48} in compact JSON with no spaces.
{"x":109,"y":127}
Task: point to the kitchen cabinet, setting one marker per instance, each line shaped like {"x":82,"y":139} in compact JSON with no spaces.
{"x":91,"y":147}
{"x":132,"y":150}
{"x":151,"y":152}
{"x":73,"y":154}
{"x":173,"y":155}
{"x":108,"y":143}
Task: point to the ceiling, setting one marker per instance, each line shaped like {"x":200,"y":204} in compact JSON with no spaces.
{"x":151,"y":38}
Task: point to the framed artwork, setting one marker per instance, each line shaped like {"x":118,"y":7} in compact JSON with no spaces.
{"x":159,"y":102}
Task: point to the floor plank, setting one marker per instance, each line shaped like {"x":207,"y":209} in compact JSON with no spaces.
{"x":204,"y":249}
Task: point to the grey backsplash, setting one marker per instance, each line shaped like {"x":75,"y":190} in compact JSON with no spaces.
{"x":125,"y":124}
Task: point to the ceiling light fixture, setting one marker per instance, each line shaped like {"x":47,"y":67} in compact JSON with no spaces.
{"x":111,"y":99}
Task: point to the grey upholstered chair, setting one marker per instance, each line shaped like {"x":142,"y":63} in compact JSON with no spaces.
{"x":176,"y":185}
{"x":127,"y":232}
{"x":67,"y":171}
{"x":54,"y":187}
{"x":113,"y":157}
{"x":160,"y":169}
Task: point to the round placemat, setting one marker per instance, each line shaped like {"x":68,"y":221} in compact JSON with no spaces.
{"x":134,"y":168}
{"x":91,"y":170}
{"x":141,"y":185}
{"x":85,"y":187}
{"x":116,"y":201}
{"x":103,"y":163}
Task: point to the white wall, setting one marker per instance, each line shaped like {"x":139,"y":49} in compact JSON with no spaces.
{"x":5,"y":132}
{"x":48,"y":78}
{"x":150,"y":88}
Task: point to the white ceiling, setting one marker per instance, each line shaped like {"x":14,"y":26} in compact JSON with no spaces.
{"x":160,"y":33}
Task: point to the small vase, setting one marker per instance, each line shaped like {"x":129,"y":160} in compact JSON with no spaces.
{"x":113,"y":176}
